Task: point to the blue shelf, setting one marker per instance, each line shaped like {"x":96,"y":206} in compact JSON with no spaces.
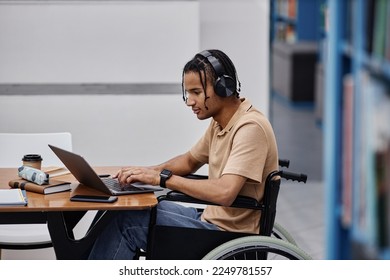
{"x":347,"y":55}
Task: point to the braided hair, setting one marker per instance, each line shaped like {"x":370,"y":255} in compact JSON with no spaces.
{"x":200,"y":64}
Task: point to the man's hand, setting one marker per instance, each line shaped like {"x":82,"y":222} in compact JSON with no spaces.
{"x":131,"y":174}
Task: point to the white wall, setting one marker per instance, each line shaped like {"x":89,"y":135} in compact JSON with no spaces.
{"x":126,"y":129}
{"x":241,"y":29}
{"x":136,"y":129}
{"x":96,"y":41}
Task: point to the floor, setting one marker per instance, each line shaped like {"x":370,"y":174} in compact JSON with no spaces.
{"x":301,"y":206}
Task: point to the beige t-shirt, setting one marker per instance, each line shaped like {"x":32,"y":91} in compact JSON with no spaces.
{"x":246,"y":147}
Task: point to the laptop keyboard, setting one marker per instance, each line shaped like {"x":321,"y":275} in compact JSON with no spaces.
{"x":113,"y":184}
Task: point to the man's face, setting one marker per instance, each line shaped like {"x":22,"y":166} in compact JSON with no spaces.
{"x":203,"y":108}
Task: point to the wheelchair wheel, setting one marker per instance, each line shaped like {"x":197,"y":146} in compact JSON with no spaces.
{"x":257,"y":248}
{"x":281,"y":233}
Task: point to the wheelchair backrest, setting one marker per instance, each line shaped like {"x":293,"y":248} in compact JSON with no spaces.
{"x":271,"y":192}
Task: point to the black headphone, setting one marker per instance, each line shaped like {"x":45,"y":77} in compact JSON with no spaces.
{"x":224,"y":85}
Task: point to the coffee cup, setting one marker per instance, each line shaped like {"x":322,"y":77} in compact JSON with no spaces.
{"x":32,"y":160}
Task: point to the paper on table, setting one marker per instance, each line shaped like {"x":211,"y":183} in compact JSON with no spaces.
{"x":11,"y":197}
{"x":55,"y":171}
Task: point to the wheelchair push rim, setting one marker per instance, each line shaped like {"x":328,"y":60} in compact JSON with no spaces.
{"x":259,"y":246}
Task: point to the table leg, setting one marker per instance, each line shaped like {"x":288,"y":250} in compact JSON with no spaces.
{"x":65,"y":246}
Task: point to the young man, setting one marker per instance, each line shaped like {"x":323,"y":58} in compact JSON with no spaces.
{"x":239,"y":146}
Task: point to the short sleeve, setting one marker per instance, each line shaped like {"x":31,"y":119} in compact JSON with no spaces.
{"x":249,"y":152}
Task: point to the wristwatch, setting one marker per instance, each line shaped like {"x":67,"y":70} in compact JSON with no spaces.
{"x":164,"y":176}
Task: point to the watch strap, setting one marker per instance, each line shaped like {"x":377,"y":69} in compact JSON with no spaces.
{"x":164,"y":176}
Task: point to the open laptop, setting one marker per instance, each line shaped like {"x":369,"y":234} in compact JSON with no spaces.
{"x":84,"y":173}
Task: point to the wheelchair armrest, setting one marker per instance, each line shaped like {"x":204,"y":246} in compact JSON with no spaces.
{"x":247,"y":202}
{"x":196,"y":176}
{"x":239,"y":202}
{"x":181,"y":197}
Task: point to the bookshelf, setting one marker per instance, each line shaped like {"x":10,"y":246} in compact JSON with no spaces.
{"x":357,"y":129}
{"x":296,"y":20}
{"x":297,"y":27}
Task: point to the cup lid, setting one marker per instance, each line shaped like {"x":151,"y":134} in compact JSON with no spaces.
{"x":32,"y":157}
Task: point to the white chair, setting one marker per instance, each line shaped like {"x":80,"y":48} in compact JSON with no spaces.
{"x":12,"y":148}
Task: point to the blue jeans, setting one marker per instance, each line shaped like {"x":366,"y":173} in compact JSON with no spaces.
{"x":129,"y":229}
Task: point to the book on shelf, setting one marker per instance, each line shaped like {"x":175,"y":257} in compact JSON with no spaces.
{"x":349,"y":22}
{"x":379,"y":28}
{"x":381,"y":159}
{"x":360,"y":209}
{"x":382,"y":164}
{"x":13,"y":197}
{"x":287,"y":8}
{"x":374,"y":191}
{"x":347,"y":148}
{"x":387,"y":55}
{"x":370,"y":18}
{"x":285,"y":32}
{"x":54,"y":186}
{"x":292,"y":8}
{"x":324,"y":17}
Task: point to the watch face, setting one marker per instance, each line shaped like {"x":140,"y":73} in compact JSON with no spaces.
{"x":166,"y":172}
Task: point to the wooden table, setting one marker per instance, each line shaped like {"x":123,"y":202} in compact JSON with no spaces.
{"x":62,"y":215}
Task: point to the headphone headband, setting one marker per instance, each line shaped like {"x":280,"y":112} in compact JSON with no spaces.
{"x":217,"y":66}
{"x":224,"y":84}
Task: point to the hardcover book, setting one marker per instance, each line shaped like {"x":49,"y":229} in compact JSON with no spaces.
{"x":54,"y":186}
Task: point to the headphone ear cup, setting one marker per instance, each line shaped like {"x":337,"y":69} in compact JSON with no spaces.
{"x":225,"y":86}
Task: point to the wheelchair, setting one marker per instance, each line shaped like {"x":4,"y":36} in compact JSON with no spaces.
{"x":272,"y":242}
{"x":179,"y":243}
